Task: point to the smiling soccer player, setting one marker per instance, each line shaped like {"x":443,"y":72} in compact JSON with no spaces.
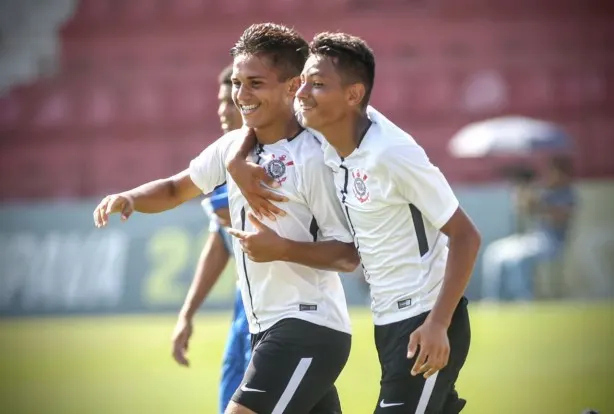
{"x":417,"y":246}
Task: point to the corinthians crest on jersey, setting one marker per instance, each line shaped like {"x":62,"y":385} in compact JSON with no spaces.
{"x":276,"y":167}
{"x":361,"y":191}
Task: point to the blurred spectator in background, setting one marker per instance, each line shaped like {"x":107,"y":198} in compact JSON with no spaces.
{"x":544,"y":212}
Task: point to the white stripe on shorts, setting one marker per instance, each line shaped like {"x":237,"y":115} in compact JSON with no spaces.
{"x":427,"y":391}
{"x":295,"y":381}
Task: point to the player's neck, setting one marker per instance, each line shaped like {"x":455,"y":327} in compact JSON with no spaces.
{"x":346,"y":136}
{"x":270,"y":134}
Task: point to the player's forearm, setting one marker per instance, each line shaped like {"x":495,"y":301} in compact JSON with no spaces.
{"x":211,"y":264}
{"x":153,"y":197}
{"x":161,"y":195}
{"x":463,"y":251}
{"x":327,"y":255}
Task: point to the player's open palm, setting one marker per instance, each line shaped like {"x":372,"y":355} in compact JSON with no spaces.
{"x":113,"y":204}
{"x":181,"y":339}
{"x":430,"y":342}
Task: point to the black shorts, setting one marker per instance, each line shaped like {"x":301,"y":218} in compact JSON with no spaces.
{"x":293,"y":369}
{"x":402,"y":393}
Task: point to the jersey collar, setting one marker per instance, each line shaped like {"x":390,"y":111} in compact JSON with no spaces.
{"x":358,"y":148}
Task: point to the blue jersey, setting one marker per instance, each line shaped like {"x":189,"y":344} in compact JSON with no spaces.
{"x":556,"y":197}
{"x":215,"y":227}
{"x":217,"y":200}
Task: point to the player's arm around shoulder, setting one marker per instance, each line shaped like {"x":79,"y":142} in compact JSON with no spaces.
{"x":249,"y":177}
{"x":332,"y":248}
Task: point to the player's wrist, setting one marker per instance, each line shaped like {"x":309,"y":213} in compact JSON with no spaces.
{"x":126,"y":195}
{"x":284,"y":249}
{"x":234,"y":163}
{"x":437,"y":320}
{"x":186,"y":314}
{"x":237,"y":160}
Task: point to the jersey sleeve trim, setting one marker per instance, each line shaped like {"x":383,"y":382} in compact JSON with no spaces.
{"x":447,"y":215}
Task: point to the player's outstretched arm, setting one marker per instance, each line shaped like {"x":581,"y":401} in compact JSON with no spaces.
{"x":250,"y":178}
{"x":264,"y":245}
{"x":153,"y":197}
{"x":211,"y":263}
{"x":205,"y":172}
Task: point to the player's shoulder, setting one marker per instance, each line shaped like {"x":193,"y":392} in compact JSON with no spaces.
{"x":308,"y":139}
{"x":227,"y":141}
{"x":307,"y":147}
{"x":385,"y":133}
{"x":233,"y":136}
{"x":387,"y":140}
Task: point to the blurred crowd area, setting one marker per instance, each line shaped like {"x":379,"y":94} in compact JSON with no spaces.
{"x":101,"y":95}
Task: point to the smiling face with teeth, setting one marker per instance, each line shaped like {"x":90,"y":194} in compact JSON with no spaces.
{"x":258,"y":92}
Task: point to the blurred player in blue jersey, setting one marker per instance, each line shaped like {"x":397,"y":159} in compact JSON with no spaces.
{"x":211,"y":264}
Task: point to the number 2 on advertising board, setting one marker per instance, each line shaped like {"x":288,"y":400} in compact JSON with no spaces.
{"x":169,"y":252}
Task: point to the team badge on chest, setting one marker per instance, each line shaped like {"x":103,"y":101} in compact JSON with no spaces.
{"x":360,"y":185}
{"x":276,"y":167}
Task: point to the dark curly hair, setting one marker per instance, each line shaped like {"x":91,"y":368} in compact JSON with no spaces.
{"x":285,"y":47}
{"x":351,"y":55}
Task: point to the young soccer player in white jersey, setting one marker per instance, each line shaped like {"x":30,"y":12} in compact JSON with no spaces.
{"x":417,"y":246}
{"x":296,"y":309}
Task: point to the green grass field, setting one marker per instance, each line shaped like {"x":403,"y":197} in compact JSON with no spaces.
{"x":538,"y":359}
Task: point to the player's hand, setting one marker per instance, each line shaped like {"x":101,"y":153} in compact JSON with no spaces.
{"x":431,"y":340}
{"x":111,"y":204}
{"x":181,"y":339}
{"x":263,"y":245}
{"x":250,"y":178}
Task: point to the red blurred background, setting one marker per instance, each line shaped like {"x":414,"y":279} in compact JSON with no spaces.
{"x":134,"y":95}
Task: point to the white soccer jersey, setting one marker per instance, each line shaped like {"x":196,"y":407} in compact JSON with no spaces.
{"x":395,"y":201}
{"x":278,"y":290}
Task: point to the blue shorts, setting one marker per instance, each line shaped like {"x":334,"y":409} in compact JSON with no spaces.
{"x":237,"y":353}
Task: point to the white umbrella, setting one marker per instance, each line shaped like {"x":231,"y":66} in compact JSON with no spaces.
{"x":513,"y":135}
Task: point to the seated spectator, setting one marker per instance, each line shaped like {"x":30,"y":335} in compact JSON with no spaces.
{"x":509,"y":263}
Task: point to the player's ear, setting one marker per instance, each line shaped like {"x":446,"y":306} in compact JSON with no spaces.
{"x":293,"y":85}
{"x":355,"y":94}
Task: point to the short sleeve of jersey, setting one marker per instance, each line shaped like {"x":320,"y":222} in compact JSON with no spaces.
{"x":208,"y":170}
{"x":319,"y":192}
{"x":421,"y":183}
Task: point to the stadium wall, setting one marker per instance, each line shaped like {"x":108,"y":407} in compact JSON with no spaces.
{"x":53,"y":261}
